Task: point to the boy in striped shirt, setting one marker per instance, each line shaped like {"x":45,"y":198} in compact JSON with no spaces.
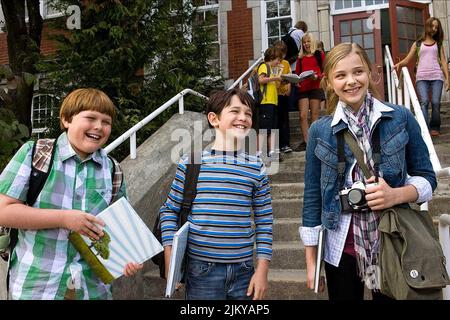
{"x":231,"y":185}
{"x":44,"y":265}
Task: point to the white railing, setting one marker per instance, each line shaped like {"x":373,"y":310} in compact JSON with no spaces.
{"x":240,"y":80}
{"x":402,"y":92}
{"x":444,"y":239}
{"x":131,"y":133}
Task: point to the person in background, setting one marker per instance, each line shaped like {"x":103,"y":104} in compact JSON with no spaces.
{"x":284,"y":90}
{"x":309,"y":91}
{"x":322,"y":100}
{"x":431,"y":71}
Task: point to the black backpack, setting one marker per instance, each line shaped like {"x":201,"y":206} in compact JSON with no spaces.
{"x":190,"y":191}
{"x":42,"y":156}
{"x":253,"y":87}
{"x":292,"y":48}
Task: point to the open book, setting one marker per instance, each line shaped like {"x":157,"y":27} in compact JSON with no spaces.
{"x":176,"y":267}
{"x":126,"y":239}
{"x":294,"y":78}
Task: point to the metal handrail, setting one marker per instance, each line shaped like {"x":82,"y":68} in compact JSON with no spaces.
{"x":444,"y":239}
{"x":247,"y":72}
{"x":397,"y":91}
{"x":131,"y":133}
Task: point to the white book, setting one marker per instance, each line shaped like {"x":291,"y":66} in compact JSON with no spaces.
{"x":294,"y":78}
{"x":319,"y":259}
{"x":128,"y":239}
{"x":176,"y":269}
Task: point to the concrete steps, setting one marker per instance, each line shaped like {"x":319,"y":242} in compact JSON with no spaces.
{"x":287,"y":274}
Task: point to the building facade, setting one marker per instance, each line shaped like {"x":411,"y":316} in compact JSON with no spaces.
{"x":243,"y":29}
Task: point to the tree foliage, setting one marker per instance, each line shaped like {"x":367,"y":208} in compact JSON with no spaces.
{"x":140,"y":52}
{"x":23,"y":41}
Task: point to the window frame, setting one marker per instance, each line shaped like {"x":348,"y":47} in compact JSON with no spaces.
{"x":264,"y":22}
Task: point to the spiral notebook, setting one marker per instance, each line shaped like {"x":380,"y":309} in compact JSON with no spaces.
{"x":126,"y":239}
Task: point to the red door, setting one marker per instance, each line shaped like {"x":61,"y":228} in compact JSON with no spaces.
{"x":358,"y":28}
{"x":407,"y":20}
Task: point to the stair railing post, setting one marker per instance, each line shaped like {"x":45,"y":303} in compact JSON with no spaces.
{"x":407,"y":98}
{"x":389,"y":79}
{"x":181,"y":105}
{"x":133,"y":146}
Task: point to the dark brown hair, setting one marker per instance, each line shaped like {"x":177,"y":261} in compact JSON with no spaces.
{"x":439,"y":36}
{"x":272,"y":53}
{"x":219,"y":99}
{"x":282,"y":47}
{"x":301,"y":25}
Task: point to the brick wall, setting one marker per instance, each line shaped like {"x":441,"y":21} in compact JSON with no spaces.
{"x":240,"y":38}
{"x":47,"y":46}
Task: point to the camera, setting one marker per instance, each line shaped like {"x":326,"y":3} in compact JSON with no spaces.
{"x":354,"y":198}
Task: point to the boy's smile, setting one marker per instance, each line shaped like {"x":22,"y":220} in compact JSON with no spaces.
{"x":88,"y":131}
{"x":233,"y":123}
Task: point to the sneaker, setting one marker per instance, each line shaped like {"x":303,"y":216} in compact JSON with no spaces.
{"x":286,"y":149}
{"x":301,"y":147}
{"x":434,"y":133}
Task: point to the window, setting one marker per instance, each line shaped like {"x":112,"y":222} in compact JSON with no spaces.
{"x":43,"y":108}
{"x":208,"y":13}
{"x":278,"y":16}
{"x":357,"y":5}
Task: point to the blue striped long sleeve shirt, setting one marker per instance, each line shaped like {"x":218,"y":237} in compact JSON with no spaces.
{"x":232,"y":187}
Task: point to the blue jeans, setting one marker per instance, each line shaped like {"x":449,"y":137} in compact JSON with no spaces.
{"x":218,"y":281}
{"x":424,"y":88}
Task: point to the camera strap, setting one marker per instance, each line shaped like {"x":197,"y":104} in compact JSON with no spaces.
{"x":358,"y":153}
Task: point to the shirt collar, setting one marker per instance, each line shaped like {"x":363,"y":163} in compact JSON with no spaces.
{"x":66,"y":151}
{"x":377,"y":112}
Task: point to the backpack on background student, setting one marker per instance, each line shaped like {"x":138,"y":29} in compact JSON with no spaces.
{"x":292,"y":49}
{"x":253,"y":87}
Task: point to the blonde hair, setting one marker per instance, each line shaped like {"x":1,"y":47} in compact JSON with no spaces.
{"x":313,"y":45}
{"x":85,"y":99}
{"x":336,"y":54}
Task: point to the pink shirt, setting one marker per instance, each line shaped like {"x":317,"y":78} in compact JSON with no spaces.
{"x":429,"y":68}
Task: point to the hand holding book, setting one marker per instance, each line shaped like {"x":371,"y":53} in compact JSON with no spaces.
{"x":294,"y":78}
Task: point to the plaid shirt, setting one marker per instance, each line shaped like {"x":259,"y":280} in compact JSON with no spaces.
{"x":44,"y":264}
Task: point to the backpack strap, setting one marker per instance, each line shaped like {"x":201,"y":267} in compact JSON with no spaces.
{"x":190,"y":188}
{"x":117,"y":179}
{"x":268,"y":74}
{"x":42,"y":157}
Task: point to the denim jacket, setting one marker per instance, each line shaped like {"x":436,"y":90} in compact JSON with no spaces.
{"x":403,"y":152}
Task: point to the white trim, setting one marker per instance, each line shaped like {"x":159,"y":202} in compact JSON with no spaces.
{"x":264,"y":20}
{"x":361,"y":8}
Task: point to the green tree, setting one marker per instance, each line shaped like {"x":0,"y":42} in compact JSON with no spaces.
{"x":23,"y":41}
{"x":140,"y":52}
